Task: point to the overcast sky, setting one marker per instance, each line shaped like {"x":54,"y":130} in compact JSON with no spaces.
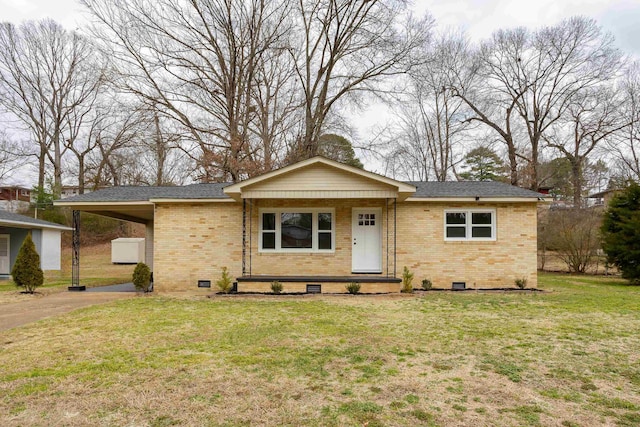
{"x":479,"y":18}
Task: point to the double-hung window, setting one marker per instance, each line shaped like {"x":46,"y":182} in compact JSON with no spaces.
{"x":297,"y":230}
{"x":474,"y":224}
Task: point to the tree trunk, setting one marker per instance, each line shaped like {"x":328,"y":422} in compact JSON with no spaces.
{"x":41,"y":167}
{"x":81,"y":173}
{"x":57,"y":170}
{"x":513,"y":161}
{"x":576,"y":180}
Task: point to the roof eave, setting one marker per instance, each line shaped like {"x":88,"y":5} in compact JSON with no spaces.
{"x":64,"y":203}
{"x":478,"y":199}
{"x":211,"y":200}
{"x":25,"y":224}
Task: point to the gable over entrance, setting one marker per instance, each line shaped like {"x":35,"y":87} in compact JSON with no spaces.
{"x":320,"y":178}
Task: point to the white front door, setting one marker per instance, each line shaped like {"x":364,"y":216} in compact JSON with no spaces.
{"x":5,"y":263}
{"x":366,"y":240}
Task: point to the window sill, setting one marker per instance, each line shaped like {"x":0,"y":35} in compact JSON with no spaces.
{"x":293,"y":251}
{"x":470,"y":240}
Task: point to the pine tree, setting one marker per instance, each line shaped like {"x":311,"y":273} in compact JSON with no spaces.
{"x":621,"y":233}
{"x":483,"y":164}
{"x":26,"y":270}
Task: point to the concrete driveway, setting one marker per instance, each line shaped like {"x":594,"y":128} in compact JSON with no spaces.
{"x":16,"y":314}
{"x":124,"y":287}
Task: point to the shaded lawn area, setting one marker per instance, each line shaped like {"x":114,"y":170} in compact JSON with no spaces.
{"x":569,"y":357}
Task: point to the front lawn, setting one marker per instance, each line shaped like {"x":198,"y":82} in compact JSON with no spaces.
{"x":569,"y":357}
{"x":96,"y":269}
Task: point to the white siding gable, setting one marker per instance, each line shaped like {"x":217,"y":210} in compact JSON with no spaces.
{"x":319,"y":181}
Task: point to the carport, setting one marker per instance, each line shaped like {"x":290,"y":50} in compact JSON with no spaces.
{"x":134,"y":204}
{"x":123,"y":203}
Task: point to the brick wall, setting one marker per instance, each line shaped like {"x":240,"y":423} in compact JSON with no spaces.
{"x":422,"y":248}
{"x":320,"y":264}
{"x":194,"y":241}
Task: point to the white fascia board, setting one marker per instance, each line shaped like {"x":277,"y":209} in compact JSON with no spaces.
{"x":226,"y":200}
{"x":474,"y":200}
{"x":25,"y":224}
{"x":80,"y":205}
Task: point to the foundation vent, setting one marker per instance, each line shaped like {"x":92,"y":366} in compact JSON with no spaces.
{"x":458,"y":286}
{"x":314,"y":289}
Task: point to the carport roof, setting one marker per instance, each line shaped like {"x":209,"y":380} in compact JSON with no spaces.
{"x":137,"y":203}
{"x":144,"y":194}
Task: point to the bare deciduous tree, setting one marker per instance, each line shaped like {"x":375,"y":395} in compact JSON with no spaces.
{"x":197,"y":62}
{"x":9,"y":158}
{"x":525,"y":81}
{"x":277,"y":108}
{"x":47,"y":76}
{"x":431,"y":121}
{"x":348,"y":47}
{"x":117,"y":127}
{"x":574,"y":235}
{"x":593,"y":116}
{"x":626,"y":145}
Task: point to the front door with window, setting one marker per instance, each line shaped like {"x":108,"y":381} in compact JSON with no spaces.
{"x":366,"y":240}
{"x":5,"y":263}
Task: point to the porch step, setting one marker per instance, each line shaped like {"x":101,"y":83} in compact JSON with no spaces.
{"x":319,"y":284}
{"x":320,"y":279}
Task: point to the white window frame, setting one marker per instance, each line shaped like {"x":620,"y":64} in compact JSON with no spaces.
{"x":314,"y":235}
{"x":468,"y":225}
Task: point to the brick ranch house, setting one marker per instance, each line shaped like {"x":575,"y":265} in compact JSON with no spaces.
{"x":319,"y":222}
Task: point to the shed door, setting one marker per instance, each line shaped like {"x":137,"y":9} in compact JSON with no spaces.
{"x":366,"y":242}
{"x":5,"y":263}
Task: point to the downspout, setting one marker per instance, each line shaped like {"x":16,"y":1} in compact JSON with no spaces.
{"x":387,"y":215}
{"x":395,"y":234}
{"x":250,"y":232}
{"x":244,"y":237}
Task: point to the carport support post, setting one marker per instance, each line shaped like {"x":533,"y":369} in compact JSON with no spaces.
{"x":75,"y":256}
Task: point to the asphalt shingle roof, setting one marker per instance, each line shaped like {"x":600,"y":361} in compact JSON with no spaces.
{"x":449,"y":189}
{"x":10,"y":217}
{"x":140,"y":194}
{"x":470,"y":189}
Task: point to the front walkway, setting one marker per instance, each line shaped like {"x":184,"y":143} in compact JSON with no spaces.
{"x":40,"y":307}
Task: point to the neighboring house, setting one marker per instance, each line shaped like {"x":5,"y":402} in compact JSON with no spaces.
{"x":319,"y":222}
{"x":73,"y":190}
{"x":69,"y":191}
{"x":603,"y":198}
{"x":14,"y":198}
{"x":46,"y":237}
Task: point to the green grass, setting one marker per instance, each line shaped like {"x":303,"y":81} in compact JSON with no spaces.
{"x":568,"y":355}
{"x":56,"y":283}
{"x":96,"y":269}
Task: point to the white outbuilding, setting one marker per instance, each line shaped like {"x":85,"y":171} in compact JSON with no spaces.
{"x":45,"y":235}
{"x":127,"y":250}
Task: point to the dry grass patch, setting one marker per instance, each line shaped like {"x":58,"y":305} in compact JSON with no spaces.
{"x":95,"y":269}
{"x":567,"y":357}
